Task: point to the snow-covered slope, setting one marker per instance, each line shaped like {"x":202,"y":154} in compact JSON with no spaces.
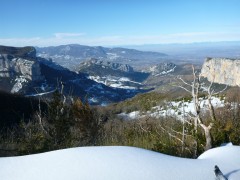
{"x":120,"y":163}
{"x":112,"y":74}
{"x":176,"y":109}
{"x":161,"y":69}
{"x":116,"y":82}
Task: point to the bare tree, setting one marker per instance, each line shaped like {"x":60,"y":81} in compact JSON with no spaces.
{"x":194,"y":88}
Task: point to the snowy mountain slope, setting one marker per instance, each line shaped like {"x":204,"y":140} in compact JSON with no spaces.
{"x":176,"y":109}
{"x":79,"y":85}
{"x":160,"y":69}
{"x":116,"y":82}
{"x":120,"y":163}
{"x":112,"y":74}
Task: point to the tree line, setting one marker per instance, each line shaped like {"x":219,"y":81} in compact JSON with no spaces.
{"x":65,"y":122}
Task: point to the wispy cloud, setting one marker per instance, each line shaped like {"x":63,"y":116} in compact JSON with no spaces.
{"x":81,"y":38}
{"x":64,"y":35}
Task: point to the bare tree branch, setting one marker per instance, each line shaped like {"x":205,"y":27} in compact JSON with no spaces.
{"x":180,"y":133}
{"x":216,"y":93}
{"x":170,"y":134}
{"x":182,"y":88}
{"x":183,"y":81}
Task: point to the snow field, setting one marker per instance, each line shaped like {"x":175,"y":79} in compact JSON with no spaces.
{"x":120,"y":163}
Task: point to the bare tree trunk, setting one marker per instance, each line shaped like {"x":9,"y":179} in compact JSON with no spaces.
{"x":39,"y":114}
{"x":211,"y":109}
{"x":207,"y":136}
{"x":195,"y":148}
{"x":183,"y":139}
{"x":183,"y":128}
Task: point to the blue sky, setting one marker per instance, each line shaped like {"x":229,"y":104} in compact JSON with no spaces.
{"x":118,"y":22}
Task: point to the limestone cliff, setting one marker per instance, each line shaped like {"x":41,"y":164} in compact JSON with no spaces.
{"x":19,"y":66}
{"x":11,"y":65}
{"x":222,"y":71}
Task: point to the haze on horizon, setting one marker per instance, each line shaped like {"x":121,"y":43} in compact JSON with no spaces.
{"x":118,"y":22}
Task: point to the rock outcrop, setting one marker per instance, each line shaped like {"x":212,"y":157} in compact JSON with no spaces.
{"x":16,"y":66}
{"x":107,"y":65}
{"x":161,"y":69}
{"x":19,"y":66}
{"x":222,"y":71}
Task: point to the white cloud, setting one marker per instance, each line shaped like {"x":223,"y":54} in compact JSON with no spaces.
{"x":81,"y":38}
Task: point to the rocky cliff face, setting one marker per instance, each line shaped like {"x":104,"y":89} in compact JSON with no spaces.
{"x":162,"y":69}
{"x":23,"y":73}
{"x":112,"y":74}
{"x":106,"y":65}
{"x":16,"y":66}
{"x":222,"y":71}
{"x":19,"y":66}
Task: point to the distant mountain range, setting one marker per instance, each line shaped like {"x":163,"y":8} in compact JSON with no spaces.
{"x":101,"y":81}
{"x":23,"y":73}
{"x":194,"y":52}
{"x":71,"y":55}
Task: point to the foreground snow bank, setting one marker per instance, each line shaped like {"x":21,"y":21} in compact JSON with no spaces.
{"x":120,"y":163}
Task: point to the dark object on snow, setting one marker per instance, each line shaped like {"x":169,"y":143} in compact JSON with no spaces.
{"x":219,"y":175}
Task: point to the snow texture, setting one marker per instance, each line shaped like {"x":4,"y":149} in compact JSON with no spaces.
{"x":19,"y":84}
{"x":176,"y":109}
{"x":165,"y":72}
{"x":113,"y":81}
{"x":40,"y":94}
{"x":120,"y":163}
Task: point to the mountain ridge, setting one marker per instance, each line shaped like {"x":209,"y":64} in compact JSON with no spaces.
{"x":31,"y":75}
{"x":73,"y":54}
